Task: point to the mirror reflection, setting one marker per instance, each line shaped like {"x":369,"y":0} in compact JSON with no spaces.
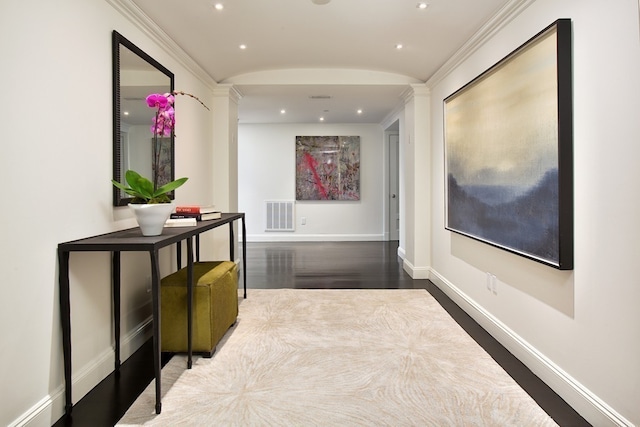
{"x":136,"y":75}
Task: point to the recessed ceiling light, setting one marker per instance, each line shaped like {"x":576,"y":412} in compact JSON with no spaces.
{"x":218,"y":6}
{"x":283,"y":111}
{"x":359,"y":111}
{"x":126,"y":113}
{"x":320,"y":1}
{"x":322,"y":119}
{"x":243,"y":46}
{"x":399,"y":46}
{"x":422,"y":5}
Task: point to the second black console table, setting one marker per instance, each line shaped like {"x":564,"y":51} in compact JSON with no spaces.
{"x":133,"y":240}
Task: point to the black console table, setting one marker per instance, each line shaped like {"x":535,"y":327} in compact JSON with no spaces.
{"x":133,"y":240}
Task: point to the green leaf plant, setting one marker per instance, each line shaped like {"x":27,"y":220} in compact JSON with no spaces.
{"x":142,"y":189}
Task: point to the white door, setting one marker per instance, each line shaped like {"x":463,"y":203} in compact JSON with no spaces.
{"x":394,"y":186}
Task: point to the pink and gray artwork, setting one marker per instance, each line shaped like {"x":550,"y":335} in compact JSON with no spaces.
{"x":327,"y":168}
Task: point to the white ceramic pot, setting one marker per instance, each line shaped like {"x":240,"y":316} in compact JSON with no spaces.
{"x":151,"y":218}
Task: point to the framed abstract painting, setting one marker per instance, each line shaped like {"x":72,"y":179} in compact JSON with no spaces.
{"x":509,"y":152}
{"x":327,"y":168}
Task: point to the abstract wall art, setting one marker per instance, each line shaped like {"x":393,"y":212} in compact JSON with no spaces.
{"x":327,"y":168}
{"x":508,"y":150}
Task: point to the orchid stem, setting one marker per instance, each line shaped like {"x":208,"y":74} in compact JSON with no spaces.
{"x":156,"y":152}
{"x":179,"y":92}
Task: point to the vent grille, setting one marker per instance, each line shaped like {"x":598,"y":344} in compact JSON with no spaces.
{"x":280,"y":216}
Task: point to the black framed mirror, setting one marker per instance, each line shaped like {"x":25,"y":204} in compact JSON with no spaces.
{"x":136,"y":75}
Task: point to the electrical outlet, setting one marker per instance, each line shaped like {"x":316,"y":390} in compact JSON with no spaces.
{"x":303,"y":220}
{"x":492,"y":283}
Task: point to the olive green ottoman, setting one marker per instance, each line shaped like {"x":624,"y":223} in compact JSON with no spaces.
{"x":215,"y":306}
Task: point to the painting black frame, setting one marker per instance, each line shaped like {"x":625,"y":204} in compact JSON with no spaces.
{"x":472,"y":213}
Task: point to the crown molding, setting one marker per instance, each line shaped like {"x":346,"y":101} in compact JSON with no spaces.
{"x":415,"y":90}
{"x":227,"y":90}
{"x":505,"y":15}
{"x":137,"y":17}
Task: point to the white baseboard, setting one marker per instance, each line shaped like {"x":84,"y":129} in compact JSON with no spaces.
{"x":315,"y":237}
{"x":585,"y":402}
{"x":413,"y":271}
{"x":49,"y":410}
{"x":39,"y":415}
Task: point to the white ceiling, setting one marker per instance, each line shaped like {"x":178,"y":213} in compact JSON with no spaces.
{"x":297,"y":49}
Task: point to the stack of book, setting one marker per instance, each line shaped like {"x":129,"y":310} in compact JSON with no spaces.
{"x":199,"y":213}
{"x":180,"y":222}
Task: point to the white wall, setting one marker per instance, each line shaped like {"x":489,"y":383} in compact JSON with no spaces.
{"x":578,"y":330}
{"x":266,"y":172}
{"x":56,"y":165}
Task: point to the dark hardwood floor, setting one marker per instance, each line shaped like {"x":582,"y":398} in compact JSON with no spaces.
{"x":316,"y":265}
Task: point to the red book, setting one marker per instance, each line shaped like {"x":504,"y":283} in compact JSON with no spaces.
{"x":195,"y":209}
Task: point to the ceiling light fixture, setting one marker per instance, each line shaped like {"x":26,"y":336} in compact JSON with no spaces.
{"x":322,"y":119}
{"x":422,"y":5}
{"x":218,"y":6}
{"x":399,"y":46}
{"x":243,"y":46}
{"x":283,"y":111}
{"x":359,"y":111}
{"x":320,"y":1}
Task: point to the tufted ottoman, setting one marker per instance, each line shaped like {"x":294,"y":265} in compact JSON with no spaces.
{"x":215,"y":306}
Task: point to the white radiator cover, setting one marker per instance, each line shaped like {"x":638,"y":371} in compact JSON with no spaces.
{"x":280,"y":215}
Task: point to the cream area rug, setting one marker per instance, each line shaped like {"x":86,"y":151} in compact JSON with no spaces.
{"x":340,"y":358}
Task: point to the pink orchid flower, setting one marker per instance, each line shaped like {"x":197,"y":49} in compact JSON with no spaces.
{"x":155,"y":100}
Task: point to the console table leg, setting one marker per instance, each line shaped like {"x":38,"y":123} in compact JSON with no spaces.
{"x":231,"y":243}
{"x":115,"y":265}
{"x":244,"y":256}
{"x":155,"y":292}
{"x":65,"y":316}
{"x":179,"y":255}
{"x":189,"y":301}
